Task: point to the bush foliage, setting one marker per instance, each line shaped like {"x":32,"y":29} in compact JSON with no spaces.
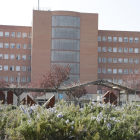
{"x":93,"y":122}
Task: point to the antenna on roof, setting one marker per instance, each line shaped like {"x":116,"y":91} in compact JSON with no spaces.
{"x":38,"y":4}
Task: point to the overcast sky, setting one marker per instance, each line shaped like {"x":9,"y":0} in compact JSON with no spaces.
{"x":113,"y":14}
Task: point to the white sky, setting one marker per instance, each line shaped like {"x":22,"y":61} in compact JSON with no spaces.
{"x":113,"y":14}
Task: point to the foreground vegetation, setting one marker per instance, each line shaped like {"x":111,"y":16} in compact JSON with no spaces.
{"x":93,"y":122}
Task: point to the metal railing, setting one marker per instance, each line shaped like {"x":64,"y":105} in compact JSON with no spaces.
{"x":42,"y":8}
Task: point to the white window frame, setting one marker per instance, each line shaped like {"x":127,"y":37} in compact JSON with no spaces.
{"x":6,"y":34}
{"x":12,"y":45}
{"x":109,"y":49}
{"x":1,"y":45}
{"x":104,"y":38}
{"x":125,"y":60}
{"x":11,"y":68}
{"x":6,"y":45}
{"x":114,"y":71}
{"x":29,"y":46}
{"x":11,"y":79}
{"x":103,"y":49}
{"x":115,"y":49}
{"x":23,"y":57}
{"x":1,"y":56}
{"x":120,"y":50}
{"x":99,"y":59}
{"x":125,"y":71}
{"x":109,"y":60}
{"x":120,"y":71}
{"x":17,"y":68}
{"x":17,"y":79}
{"x":115,"y":39}
{"x":136,"y":50}
{"x":1,"y":33}
{"x":109,"y":39}
{"x":125,"y":39}
{"x":103,"y":60}
{"x":131,"y":60}
{"x":103,"y":70}
{"x":19,"y":34}
{"x":23,"y":79}
{"x":130,"y":50}
{"x":109,"y":71}
{"x":136,"y":61}
{"x":136,"y":39}
{"x":28,"y":79}
{"x":29,"y":57}
{"x":23,"y":68}
{"x":18,"y":57}
{"x":6,"y":56}
{"x":99,"y":49}
{"x":18,"y":46}
{"x":11,"y":57}
{"x":99,"y":38}
{"x":130,"y":39}
{"x":5,"y":78}
{"x":5,"y":67}
{"x":130,"y":71}
{"x":29,"y":68}
{"x":24,"y":35}
{"x":120,"y":60}
{"x":24,"y":46}
{"x":29,"y":35}
{"x":114,"y":60}
{"x":120,"y":39}
{"x":12,"y":34}
{"x":99,"y":70}
{"x":125,"y":50}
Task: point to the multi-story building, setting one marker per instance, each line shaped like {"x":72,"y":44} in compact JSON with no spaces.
{"x":67,"y":38}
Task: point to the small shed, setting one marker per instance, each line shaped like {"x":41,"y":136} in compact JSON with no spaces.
{"x":109,"y":96}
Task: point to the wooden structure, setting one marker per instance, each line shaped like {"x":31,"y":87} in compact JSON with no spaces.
{"x":110,"y":97}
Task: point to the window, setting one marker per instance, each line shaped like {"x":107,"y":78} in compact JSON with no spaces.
{"x":136,"y":50}
{"x":119,"y":71}
{"x":120,"y":50}
{"x":114,"y":71}
{"x":11,"y":79}
{"x":28,"y":79}
{"x":99,"y":92}
{"x":109,"y":71}
{"x":120,"y":39}
{"x":114,"y":60}
{"x":114,"y":80}
{"x":99,"y":49}
{"x":1,"y":45}
{"x":114,"y":39}
{"x":18,"y":46}
{"x":104,"y":70}
{"x":136,"y":61}
{"x":109,"y":60}
{"x":6,"y":56}
{"x":1,"y":34}
{"x":11,"y":68}
{"x":12,"y":34}
{"x":29,"y":57}
{"x":109,"y":49}
{"x":125,"y":50}
{"x":120,"y":60}
{"x":23,"y":68}
{"x":17,"y":57}
{"x":109,"y":80}
{"x":130,"y":60}
{"x":99,"y":70}
{"x":130,"y":39}
{"x":130,"y":50}
{"x":104,"y":60}
{"x":125,"y":60}
{"x":99,"y":59}
{"x":130,"y":71}
{"x":17,"y":68}
{"x":0,"y":67}
{"x":5,"y":78}
{"x":136,"y":71}
{"x":136,"y":39}
{"x":12,"y":45}
{"x":125,"y":39}
{"x":104,"y":38}
{"x":1,"y":56}
{"x":99,"y":38}
{"x":6,"y":45}
{"x":24,"y":35}
{"x":103,"y":49}
{"x":29,"y":35}
{"x":17,"y":79}
{"x":18,"y":34}
{"x":120,"y":81}
{"x":23,"y":57}
{"x":125,"y":71}
{"x":24,"y":46}
{"x":12,"y":56}
{"x":5,"y":68}
{"x":23,"y":79}
{"x":114,"y":49}
{"x":109,"y":39}
{"x":6,"y":34}
{"x":29,"y":68}
{"x":29,"y":46}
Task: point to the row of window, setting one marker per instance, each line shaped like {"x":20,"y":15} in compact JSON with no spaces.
{"x":12,"y":56}
{"x":115,"y":71}
{"x":16,"y":79}
{"x":14,"y":34}
{"x":118,"y":39}
{"x":117,"y":60}
{"x":12,"y":45}
{"x":17,"y":68}
{"x":120,"y":50}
